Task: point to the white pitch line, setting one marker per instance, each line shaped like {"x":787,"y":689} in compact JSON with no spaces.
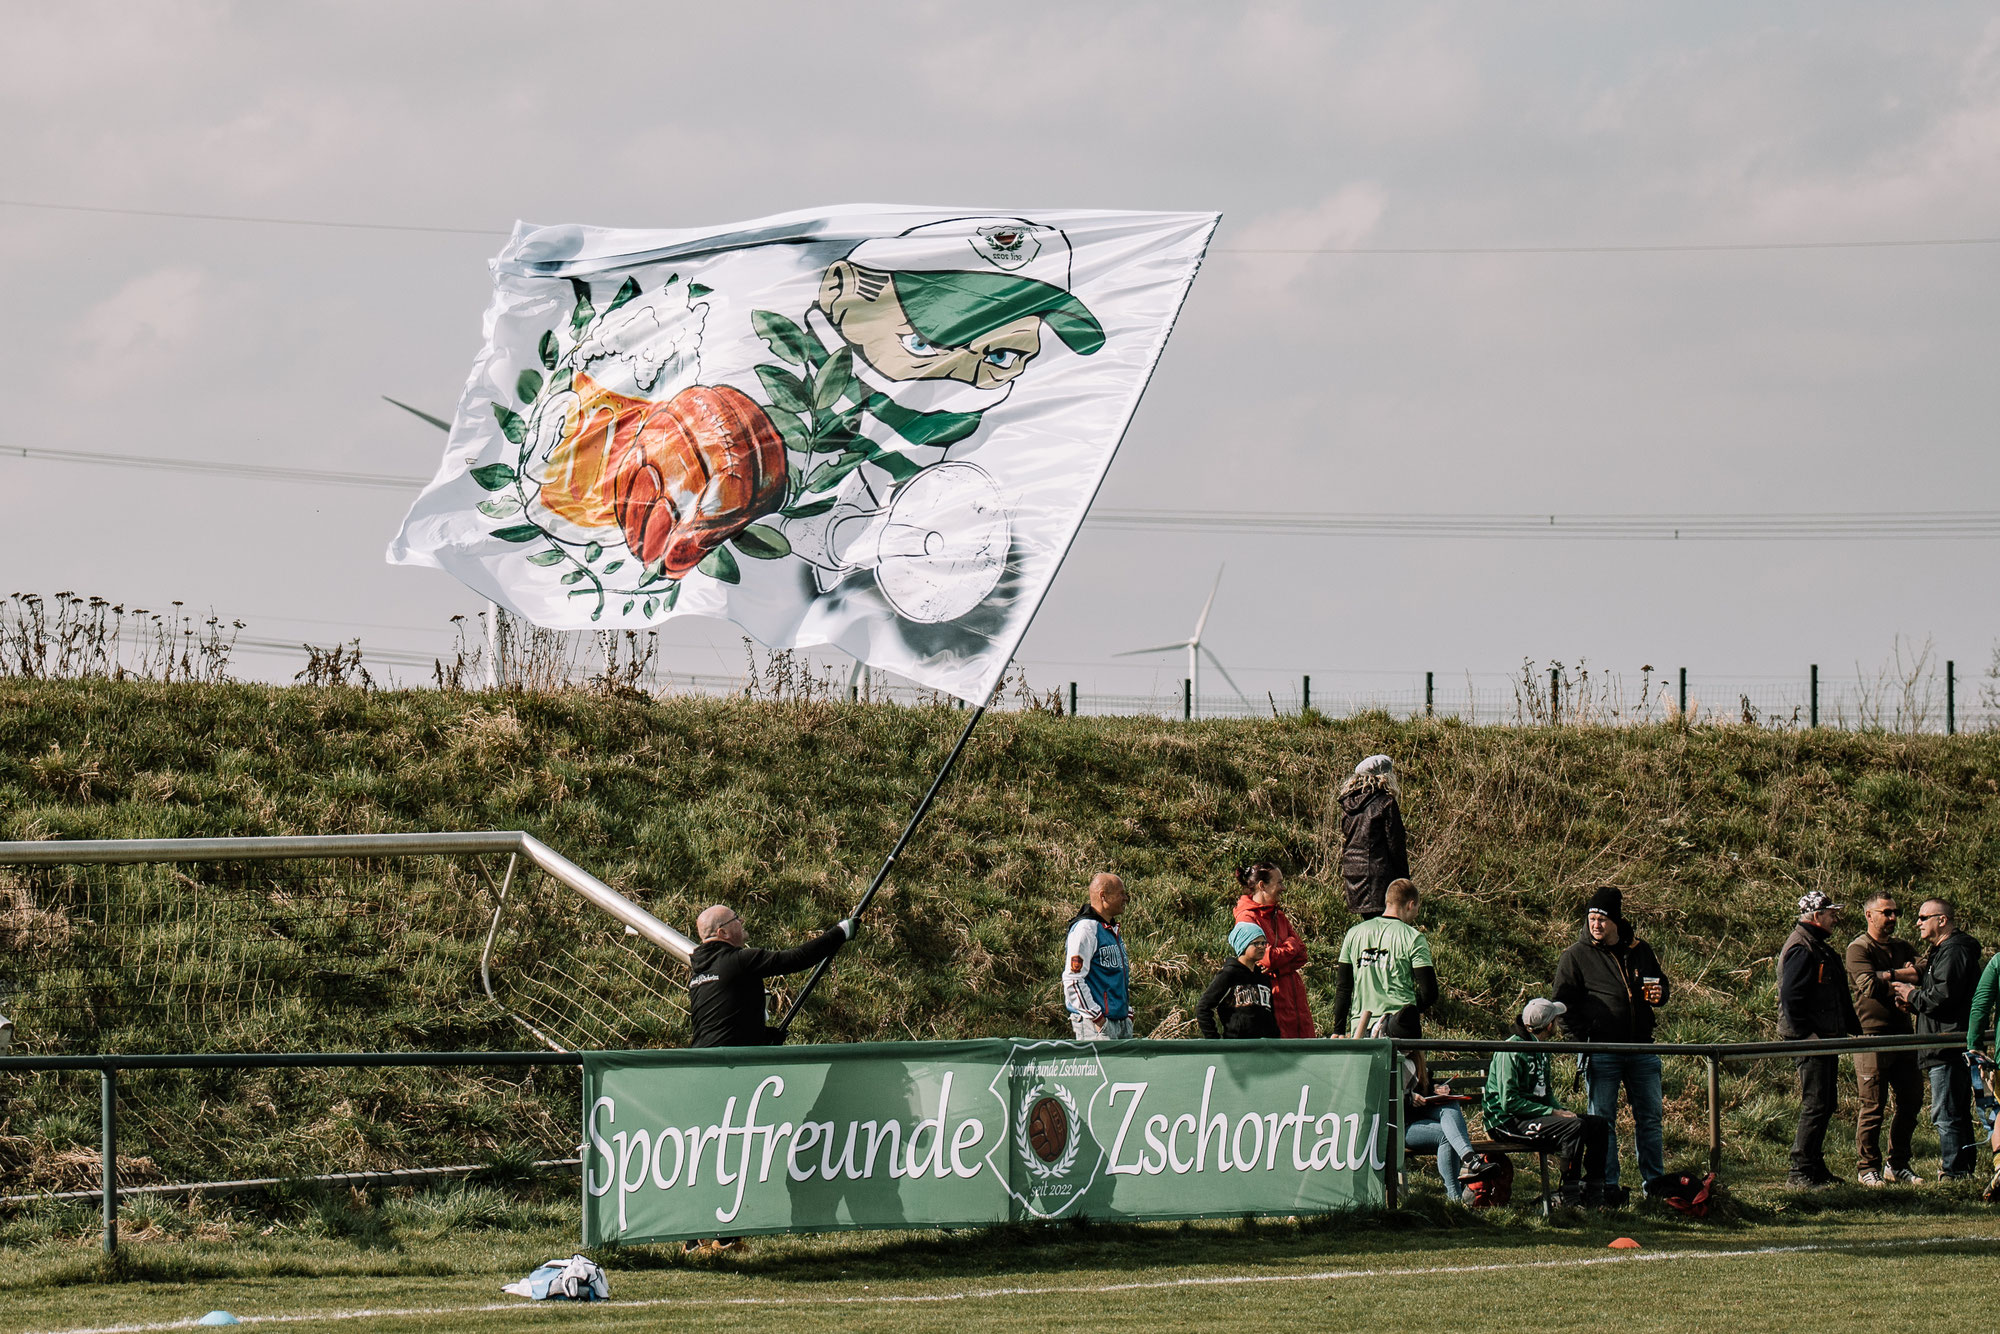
{"x":988,"y":1294}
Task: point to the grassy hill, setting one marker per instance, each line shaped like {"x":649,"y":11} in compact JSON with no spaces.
{"x":785,"y":810}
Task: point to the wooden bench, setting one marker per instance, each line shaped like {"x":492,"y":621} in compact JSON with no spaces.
{"x":1467,"y":1074}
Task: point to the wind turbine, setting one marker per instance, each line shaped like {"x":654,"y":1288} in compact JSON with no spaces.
{"x":1195,"y":649}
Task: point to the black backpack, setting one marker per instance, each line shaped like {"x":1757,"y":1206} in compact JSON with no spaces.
{"x":1487,"y":1179}
{"x":1686,"y":1192}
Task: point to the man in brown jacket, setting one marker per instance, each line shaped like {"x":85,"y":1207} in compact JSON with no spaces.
{"x":1876,"y":961}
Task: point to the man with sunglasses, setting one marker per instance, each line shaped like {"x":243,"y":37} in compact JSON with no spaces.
{"x":1941,"y":999}
{"x":1876,"y":961}
{"x":726,"y":978}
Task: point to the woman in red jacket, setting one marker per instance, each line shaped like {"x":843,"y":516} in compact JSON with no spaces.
{"x":1263,"y":884}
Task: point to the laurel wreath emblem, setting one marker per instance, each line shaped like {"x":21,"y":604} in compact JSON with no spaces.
{"x":1028,"y":1155}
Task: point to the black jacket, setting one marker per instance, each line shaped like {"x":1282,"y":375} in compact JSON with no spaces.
{"x":1601,"y":986}
{"x":1942,"y":1001}
{"x":1814,"y":1000}
{"x":726,"y":987}
{"x":1371,"y":843}
{"x":1241,"y":997}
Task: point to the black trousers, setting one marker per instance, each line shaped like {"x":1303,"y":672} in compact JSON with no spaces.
{"x":1819,"y":1089}
{"x":1576,"y":1140}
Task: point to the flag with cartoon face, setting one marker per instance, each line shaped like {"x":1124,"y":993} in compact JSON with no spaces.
{"x":872,"y":427}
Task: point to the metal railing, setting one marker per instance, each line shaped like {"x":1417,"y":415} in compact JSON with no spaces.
{"x":1713,"y":1054}
{"x":108,"y":1068}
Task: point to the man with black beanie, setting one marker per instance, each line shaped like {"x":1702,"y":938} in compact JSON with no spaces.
{"x":1611,"y":982}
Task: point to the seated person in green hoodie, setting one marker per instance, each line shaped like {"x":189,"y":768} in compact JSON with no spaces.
{"x":1519,"y":1105}
{"x":1241,"y":991}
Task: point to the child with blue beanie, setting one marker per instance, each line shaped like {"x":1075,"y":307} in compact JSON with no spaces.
{"x":1237,"y":1003}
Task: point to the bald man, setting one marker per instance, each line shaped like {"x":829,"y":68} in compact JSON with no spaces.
{"x":726,"y":982}
{"x":1095,"y":967}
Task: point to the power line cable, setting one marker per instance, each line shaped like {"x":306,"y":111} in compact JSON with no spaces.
{"x":1774,"y":527}
{"x":1691,"y":247}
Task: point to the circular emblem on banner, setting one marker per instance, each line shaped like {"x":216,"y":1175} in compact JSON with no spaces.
{"x":1042,"y":1130}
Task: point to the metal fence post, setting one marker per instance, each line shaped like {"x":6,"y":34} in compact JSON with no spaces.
{"x":1684,"y":692}
{"x":108,"y":1133}
{"x":1714,"y":1115}
{"x":1555,"y":696}
{"x":1430,"y":693}
{"x":1814,"y":693}
{"x":1187,"y":699}
{"x":1072,"y":699}
{"x":1305,"y":694}
{"x":1950,"y":697}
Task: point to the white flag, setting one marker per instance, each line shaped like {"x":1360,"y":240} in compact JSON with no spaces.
{"x":874,"y":427}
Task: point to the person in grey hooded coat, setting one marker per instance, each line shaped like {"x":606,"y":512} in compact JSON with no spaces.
{"x":1372,"y":854}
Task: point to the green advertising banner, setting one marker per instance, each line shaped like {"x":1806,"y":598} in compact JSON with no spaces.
{"x":731,"y":1141}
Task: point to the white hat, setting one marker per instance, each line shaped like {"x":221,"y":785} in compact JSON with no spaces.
{"x":1540,"y":1013}
{"x":964,"y":277}
{"x":1376,"y":764}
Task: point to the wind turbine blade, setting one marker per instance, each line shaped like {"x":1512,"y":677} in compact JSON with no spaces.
{"x":438,"y":422}
{"x":1227,"y":677}
{"x":1202,"y":624}
{"x":1163,"y":648}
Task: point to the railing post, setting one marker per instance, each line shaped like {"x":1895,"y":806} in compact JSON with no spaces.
{"x":1714,"y":1115}
{"x":108,"y":1139}
{"x":1814,"y":715}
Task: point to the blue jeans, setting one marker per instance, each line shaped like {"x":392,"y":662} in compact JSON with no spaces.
{"x":1443,"y":1129}
{"x":1951,"y":1113}
{"x":1640,"y":1077}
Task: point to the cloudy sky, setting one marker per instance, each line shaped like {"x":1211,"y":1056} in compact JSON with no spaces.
{"x":1580,"y":379}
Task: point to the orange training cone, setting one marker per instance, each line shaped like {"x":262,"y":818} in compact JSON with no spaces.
{"x":1624,"y":1244}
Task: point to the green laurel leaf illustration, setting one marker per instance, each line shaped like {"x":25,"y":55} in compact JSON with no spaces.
{"x":614,"y":566}
{"x":836,"y":379}
{"x":719,"y":564}
{"x":787,"y":390}
{"x":671,"y":596}
{"x":787,"y":340}
{"x":699,"y":289}
{"x":584,"y":313}
{"x":626,"y":291}
{"x":592,"y":551}
{"x":520,"y":532}
{"x":548,"y":349}
{"x":761,"y":543}
{"x":574,"y":576}
{"x":626,"y":610}
{"x":545,"y":558}
{"x":529,"y":385}
{"x":809,"y":509}
{"x":654,"y":573}
{"x":503,"y":508}
{"x":559,"y":382}
{"x":493,"y":476}
{"x":511,"y":424}
{"x":790,"y":428}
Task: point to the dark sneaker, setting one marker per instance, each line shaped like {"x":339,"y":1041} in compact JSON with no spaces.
{"x":1811,"y":1180}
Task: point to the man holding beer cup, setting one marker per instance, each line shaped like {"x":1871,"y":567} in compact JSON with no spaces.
{"x":1611,"y":983}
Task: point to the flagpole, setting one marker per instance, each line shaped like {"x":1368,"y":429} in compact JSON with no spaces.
{"x":916,"y":818}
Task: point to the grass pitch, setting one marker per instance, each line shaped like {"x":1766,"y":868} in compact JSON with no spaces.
{"x":1832,"y":1270}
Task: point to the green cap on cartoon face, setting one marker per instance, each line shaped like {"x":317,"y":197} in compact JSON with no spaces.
{"x":952,"y":309}
{"x":964,"y":277}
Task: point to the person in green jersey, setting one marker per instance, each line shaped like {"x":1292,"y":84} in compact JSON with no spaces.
{"x":1385,"y":969}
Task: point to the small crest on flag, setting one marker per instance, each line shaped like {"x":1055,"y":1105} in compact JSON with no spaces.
{"x":1007,"y":246}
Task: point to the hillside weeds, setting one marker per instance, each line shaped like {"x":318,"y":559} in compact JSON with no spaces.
{"x":785,"y":808}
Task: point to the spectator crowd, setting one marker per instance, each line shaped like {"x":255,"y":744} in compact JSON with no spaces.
{"x":1607,"y":989}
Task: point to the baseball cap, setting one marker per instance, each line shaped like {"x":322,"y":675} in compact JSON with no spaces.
{"x":1242,"y":935}
{"x":1539,"y":1012}
{"x":964,"y":277}
{"x":1815,"y":900}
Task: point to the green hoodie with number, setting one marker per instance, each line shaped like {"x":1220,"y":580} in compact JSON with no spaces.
{"x":1517,"y":1084}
